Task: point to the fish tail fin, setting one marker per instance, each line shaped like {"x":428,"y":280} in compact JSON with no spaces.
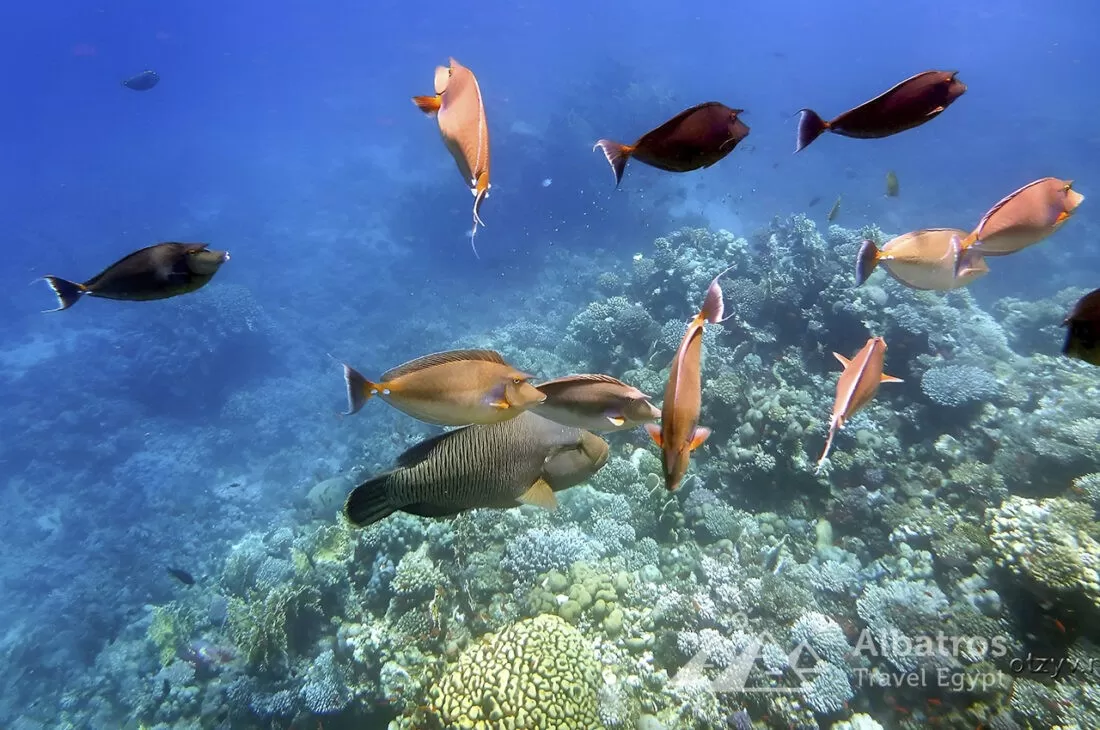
{"x":828,"y":446}
{"x":473,"y":235}
{"x":370,"y":502}
{"x":67,"y":292}
{"x":617,"y":155}
{"x":360,"y":390}
{"x":428,"y":104}
{"x":713,"y":305}
{"x":963,"y":252}
{"x":810,"y":127}
{"x":866,"y":260}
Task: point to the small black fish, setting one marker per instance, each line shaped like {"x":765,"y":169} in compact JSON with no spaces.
{"x":1083,"y":336}
{"x":143,"y":81}
{"x":155,"y":272}
{"x":814,"y":201}
{"x":181,"y":575}
{"x":235,"y":484}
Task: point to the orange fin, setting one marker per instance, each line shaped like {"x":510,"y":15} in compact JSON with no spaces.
{"x":843,"y":360}
{"x":540,"y":494}
{"x":617,"y":155}
{"x":890,"y":379}
{"x":616,"y":420}
{"x":654,"y":432}
{"x":702,"y":433}
{"x":428,"y":104}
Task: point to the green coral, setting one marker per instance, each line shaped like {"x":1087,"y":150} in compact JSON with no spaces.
{"x":583,"y":592}
{"x":170,"y":628}
{"x":537,"y":673}
{"x":258,"y":624}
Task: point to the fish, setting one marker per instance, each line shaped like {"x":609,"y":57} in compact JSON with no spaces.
{"x":892,"y":184}
{"x":911,"y":103}
{"x":595,"y":403}
{"x":814,"y":201}
{"x":1024,"y":217}
{"x":453,"y":388}
{"x":856,"y":386}
{"x":156,"y":272}
{"x":460,"y":112}
{"x":695,"y":138}
{"x":679,"y":432}
{"x":923,"y":259}
{"x":1083,"y":336}
{"x":524,"y":460}
{"x":143,"y":81}
{"x":834,"y":210}
{"x":181,"y":575}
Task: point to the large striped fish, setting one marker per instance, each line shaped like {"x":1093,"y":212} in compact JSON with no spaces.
{"x":460,"y":112}
{"x":856,"y":386}
{"x":520,"y":461}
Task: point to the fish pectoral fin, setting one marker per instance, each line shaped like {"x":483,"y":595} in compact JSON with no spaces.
{"x":890,"y":379}
{"x":702,"y":433}
{"x":936,"y":111}
{"x":843,"y":360}
{"x":540,"y":494}
{"x":500,"y":404}
{"x":616,"y":420}
{"x":654,"y":432}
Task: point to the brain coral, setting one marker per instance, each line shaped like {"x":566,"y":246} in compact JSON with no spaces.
{"x":538,"y":673}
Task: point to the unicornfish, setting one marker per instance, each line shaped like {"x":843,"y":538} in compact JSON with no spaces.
{"x":857,"y":386}
{"x":679,"y":432}
{"x":458,"y":107}
{"x":595,"y":402}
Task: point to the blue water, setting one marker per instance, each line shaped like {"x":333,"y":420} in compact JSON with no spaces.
{"x":283,"y":132}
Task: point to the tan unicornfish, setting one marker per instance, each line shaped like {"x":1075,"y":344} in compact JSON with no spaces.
{"x":595,"y":402}
{"x":679,"y":432}
{"x":857,"y":386}
{"x":460,"y":112}
{"x":453,"y":388}
{"x":1023,"y":218}
{"x":155,"y":272}
{"x":923,"y":259}
{"x":521,"y":461}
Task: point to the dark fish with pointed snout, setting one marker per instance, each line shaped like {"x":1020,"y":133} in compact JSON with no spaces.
{"x":911,"y":103}
{"x":143,"y":81}
{"x":695,"y":138}
{"x":155,"y":272}
{"x":524,"y":460}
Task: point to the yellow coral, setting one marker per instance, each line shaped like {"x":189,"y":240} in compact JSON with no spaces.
{"x":538,"y":673}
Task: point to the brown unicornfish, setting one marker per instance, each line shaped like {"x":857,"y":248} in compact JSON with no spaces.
{"x":1024,"y":218}
{"x":520,"y":461}
{"x":679,"y":432}
{"x":694,"y":138}
{"x":155,"y":272}
{"x":453,"y":388}
{"x":596,"y":403}
{"x":922,"y":259}
{"x":910,"y":104}
{"x":460,"y":112}
{"x":1083,"y":336}
{"x":857,"y":386}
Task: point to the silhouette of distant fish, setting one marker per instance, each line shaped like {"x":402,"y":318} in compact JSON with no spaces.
{"x":695,"y":138}
{"x":181,"y":575}
{"x":1083,"y":336}
{"x":143,"y":81}
{"x":156,"y":272}
{"x":892,"y":188}
{"x":911,"y":103}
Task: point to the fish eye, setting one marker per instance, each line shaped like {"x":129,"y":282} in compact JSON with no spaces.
{"x":517,"y":381}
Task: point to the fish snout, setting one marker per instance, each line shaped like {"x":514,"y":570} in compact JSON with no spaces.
{"x":596,"y":449}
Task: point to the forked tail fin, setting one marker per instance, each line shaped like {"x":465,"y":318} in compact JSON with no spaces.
{"x":866,"y":261}
{"x":360,"y":390}
{"x":67,"y":292}
{"x":810,"y":127}
{"x":617,"y":155}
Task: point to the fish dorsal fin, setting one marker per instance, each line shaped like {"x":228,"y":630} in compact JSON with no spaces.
{"x":584,"y":378}
{"x":844,"y":362}
{"x":539,"y":494}
{"x":418,"y":452}
{"x":441,"y":358}
{"x":980,"y":228}
{"x":890,"y":379}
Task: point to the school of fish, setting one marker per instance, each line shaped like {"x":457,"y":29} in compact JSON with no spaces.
{"x":516,"y":442}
